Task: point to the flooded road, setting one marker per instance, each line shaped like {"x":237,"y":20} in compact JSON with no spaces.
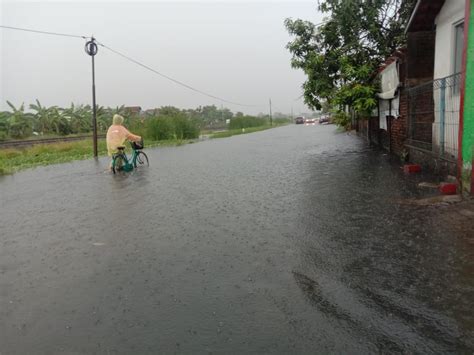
{"x":286,"y":240}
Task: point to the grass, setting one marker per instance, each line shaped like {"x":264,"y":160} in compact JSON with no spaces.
{"x":234,"y":132}
{"x":15,"y":159}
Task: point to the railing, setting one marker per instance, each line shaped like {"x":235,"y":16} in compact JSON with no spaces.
{"x":434,"y":116}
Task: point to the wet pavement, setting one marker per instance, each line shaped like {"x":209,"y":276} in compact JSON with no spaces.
{"x":287,"y":240}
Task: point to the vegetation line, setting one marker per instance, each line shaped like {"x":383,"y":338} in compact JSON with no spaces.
{"x":234,"y":132}
{"x":16,"y":159}
{"x":168,"y":126}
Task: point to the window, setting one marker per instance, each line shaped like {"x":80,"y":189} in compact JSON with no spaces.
{"x":458,"y":47}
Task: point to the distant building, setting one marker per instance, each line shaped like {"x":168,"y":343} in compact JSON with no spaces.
{"x":133,"y":110}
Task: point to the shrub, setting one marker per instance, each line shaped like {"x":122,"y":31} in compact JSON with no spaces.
{"x":185,"y":128}
{"x":166,"y":127}
{"x":281,"y":120}
{"x":160,"y":128}
{"x":246,"y":121}
{"x":342,"y":119}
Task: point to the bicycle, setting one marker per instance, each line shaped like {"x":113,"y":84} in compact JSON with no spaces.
{"x":120,"y":161}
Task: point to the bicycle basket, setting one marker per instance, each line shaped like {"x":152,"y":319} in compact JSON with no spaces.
{"x":137,"y":145}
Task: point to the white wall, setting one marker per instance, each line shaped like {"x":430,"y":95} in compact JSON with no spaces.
{"x":451,"y":13}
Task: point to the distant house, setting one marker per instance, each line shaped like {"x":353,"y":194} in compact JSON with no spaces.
{"x":133,"y":110}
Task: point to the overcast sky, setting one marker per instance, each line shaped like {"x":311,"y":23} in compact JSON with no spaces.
{"x":231,"y":49}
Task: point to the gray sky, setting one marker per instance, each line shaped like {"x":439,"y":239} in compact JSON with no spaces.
{"x":231,"y":49}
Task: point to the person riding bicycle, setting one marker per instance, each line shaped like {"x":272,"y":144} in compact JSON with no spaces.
{"x":117,"y":134}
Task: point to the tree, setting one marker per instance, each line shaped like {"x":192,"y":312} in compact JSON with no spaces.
{"x":341,"y":55}
{"x":169,"y":111}
{"x":20,"y":124}
{"x":4,"y":126}
{"x":41,"y":117}
{"x":78,"y":117}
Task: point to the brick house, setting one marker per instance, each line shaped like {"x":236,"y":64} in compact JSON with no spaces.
{"x":411,"y":66}
{"x":388,"y":126}
{"x":419,"y":106}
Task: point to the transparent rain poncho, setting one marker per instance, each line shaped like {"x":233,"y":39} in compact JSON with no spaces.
{"x":118,"y":134}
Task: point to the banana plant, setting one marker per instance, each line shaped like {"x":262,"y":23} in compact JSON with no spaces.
{"x":20,"y":123}
{"x":4,"y":125}
{"x":41,"y":117}
{"x":77,"y":118}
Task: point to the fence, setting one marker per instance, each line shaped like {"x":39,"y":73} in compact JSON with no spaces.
{"x":434,"y":116}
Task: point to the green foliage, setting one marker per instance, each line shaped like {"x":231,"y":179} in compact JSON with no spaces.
{"x":282,"y":121}
{"x":160,"y":128}
{"x":342,"y":119}
{"x":340,"y":56}
{"x":246,"y":121}
{"x":166,"y":127}
{"x":77,"y":119}
{"x":360,"y":97}
{"x":164,"y":123}
{"x":20,"y":124}
{"x":234,"y":132}
{"x":210,"y":117}
{"x":185,"y":128}
{"x":4,"y":125}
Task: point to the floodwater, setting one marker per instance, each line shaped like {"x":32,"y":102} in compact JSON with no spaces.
{"x":287,"y":240}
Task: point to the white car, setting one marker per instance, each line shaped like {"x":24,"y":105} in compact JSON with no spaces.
{"x":309,"y":122}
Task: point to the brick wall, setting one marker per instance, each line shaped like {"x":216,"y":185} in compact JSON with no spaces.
{"x":416,"y":66}
{"x":399,"y":127}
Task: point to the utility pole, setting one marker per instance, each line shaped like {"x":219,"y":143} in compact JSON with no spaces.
{"x":271,"y":120}
{"x":222,"y":113}
{"x":91,"y":49}
{"x":292,"y":113}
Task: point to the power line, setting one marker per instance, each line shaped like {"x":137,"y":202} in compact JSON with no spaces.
{"x":174,"y":80}
{"x":132,"y":60}
{"x":43,"y":32}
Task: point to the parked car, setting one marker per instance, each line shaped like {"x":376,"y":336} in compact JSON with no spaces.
{"x":310,"y":122}
{"x":324,"y":119}
{"x":299,"y":120}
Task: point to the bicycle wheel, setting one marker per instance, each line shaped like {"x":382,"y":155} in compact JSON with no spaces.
{"x":141,"y":160}
{"x":118,"y":162}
